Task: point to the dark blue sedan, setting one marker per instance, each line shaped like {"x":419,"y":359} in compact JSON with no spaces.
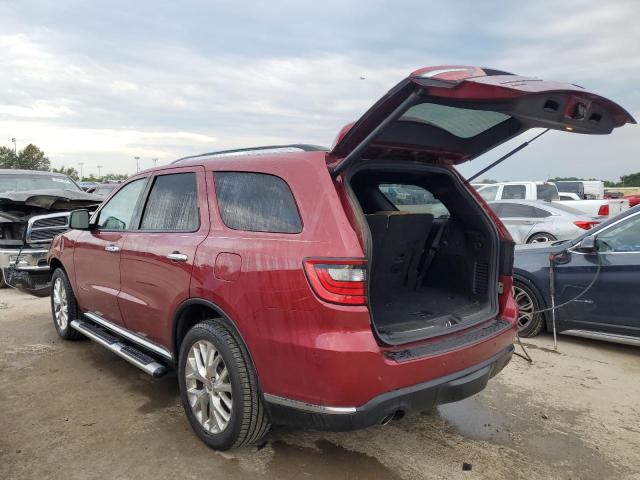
{"x":608,"y":257}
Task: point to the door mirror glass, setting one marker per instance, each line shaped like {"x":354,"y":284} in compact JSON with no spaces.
{"x":588,"y":245}
{"x":79,"y":220}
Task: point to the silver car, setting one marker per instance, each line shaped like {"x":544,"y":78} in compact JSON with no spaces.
{"x":531,"y":221}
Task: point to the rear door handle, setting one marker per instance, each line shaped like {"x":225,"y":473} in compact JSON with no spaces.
{"x":112,"y":248}
{"x":177,"y":257}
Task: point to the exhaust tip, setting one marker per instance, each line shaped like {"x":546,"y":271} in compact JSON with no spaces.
{"x":397,"y":415}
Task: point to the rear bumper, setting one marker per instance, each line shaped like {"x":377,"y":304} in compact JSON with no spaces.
{"x":416,"y":398}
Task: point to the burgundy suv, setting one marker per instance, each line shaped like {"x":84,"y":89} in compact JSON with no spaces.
{"x":332,"y":289}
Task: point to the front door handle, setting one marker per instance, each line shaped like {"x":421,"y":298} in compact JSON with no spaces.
{"x":112,"y":248}
{"x":177,"y":257}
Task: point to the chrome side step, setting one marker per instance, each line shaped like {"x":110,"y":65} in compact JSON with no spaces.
{"x":131,"y":354}
{"x":608,"y":337}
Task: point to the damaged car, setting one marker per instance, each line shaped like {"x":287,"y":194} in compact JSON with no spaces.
{"x":34,"y":208}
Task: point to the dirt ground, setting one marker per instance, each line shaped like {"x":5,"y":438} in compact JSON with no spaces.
{"x":72,"y":410}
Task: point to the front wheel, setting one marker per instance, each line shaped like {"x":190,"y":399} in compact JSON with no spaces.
{"x":530,"y":324}
{"x":64,"y":307}
{"x":219,"y":388}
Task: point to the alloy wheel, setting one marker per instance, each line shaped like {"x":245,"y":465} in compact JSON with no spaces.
{"x":526,"y":306}
{"x":208,"y":387}
{"x":60,"y":304}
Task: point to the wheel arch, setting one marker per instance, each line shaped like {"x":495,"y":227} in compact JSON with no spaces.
{"x":194,"y":310}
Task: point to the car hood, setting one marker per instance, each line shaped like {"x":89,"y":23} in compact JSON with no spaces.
{"x":48,"y":199}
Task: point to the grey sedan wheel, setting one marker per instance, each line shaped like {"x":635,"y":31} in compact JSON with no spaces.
{"x":529,"y":323}
{"x":541,"y":238}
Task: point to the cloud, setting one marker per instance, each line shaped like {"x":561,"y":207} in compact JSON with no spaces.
{"x":96,"y":83}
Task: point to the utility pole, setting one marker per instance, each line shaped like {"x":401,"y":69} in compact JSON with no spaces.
{"x":81,"y":164}
{"x":137,"y":164}
{"x":99,"y":172}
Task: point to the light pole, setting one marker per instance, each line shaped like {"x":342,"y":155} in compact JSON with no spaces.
{"x":99,"y":172}
{"x":81,"y":164}
{"x":137,"y":164}
{"x":155,"y":161}
{"x":15,"y":151}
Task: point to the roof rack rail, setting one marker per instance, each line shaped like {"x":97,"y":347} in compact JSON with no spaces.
{"x":300,"y":146}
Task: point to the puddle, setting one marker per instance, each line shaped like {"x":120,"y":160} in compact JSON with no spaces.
{"x":328,"y":461}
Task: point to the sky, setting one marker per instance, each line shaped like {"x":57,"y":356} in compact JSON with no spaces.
{"x":103,"y":82}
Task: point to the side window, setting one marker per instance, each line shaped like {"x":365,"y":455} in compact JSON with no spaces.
{"x":488,"y":193}
{"x":538,"y":213}
{"x":514,"y":192}
{"x":513,"y":210}
{"x":118,"y":212}
{"x":172,"y":204}
{"x":414,"y":199}
{"x":256,"y":202}
{"x":624,"y":237}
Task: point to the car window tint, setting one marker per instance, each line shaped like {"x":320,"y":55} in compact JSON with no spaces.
{"x":118,"y":212}
{"x":414,"y":199}
{"x":547,"y":191}
{"x":256,"y":202}
{"x":624,"y":237}
{"x":511,"y":210}
{"x":488,"y":193}
{"x":514,"y":192}
{"x":539,"y":213}
{"x":172,"y":204}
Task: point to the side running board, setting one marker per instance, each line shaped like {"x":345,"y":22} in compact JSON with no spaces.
{"x":131,"y":354}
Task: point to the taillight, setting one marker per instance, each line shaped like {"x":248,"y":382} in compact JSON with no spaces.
{"x":603,"y":210}
{"x":585,"y":225}
{"x":338,"y":281}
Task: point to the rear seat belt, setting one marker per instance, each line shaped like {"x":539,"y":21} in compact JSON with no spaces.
{"x":433,"y":249}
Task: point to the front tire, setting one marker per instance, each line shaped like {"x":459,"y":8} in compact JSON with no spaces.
{"x":528,"y":302}
{"x":64,"y":307}
{"x":219,"y":388}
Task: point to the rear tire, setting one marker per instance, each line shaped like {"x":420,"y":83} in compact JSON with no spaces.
{"x":528,"y":301}
{"x":64,"y":307}
{"x":541,"y":238}
{"x":219,"y":388}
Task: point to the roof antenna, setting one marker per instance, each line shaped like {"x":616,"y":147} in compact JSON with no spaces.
{"x":504,"y":157}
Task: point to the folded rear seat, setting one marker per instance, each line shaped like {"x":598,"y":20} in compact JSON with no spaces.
{"x":399,"y":240}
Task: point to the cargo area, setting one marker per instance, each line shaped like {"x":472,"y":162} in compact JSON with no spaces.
{"x":432,"y":252}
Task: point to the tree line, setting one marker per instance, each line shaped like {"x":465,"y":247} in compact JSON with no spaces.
{"x":32,"y":158}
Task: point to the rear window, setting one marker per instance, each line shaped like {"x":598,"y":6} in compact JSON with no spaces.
{"x":256,"y":202}
{"x":514,"y":192}
{"x":547,"y":191}
{"x":414,"y":199}
{"x":461,"y":122}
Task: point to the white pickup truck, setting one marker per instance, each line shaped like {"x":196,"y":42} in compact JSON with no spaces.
{"x":549,"y":192}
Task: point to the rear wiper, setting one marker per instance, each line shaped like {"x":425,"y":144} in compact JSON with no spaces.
{"x":504,"y":157}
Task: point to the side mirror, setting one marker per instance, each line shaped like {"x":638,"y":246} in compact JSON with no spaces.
{"x":79,"y":220}
{"x":588,"y":245}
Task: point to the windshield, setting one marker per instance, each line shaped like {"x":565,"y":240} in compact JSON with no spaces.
{"x":25,"y":182}
{"x":547,"y":191}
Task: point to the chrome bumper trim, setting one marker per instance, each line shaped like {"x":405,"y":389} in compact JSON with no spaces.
{"x":129,"y":335}
{"x":308,"y":407}
{"x":30,"y":255}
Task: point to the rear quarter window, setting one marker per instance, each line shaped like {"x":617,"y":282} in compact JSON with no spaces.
{"x":256,"y":202}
